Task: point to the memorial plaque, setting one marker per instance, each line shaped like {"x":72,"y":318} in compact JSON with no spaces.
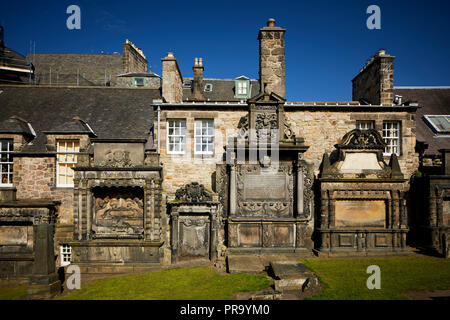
{"x":249,"y":235}
{"x":194,"y":236}
{"x":360,"y":213}
{"x":265,"y":187}
{"x":13,"y":235}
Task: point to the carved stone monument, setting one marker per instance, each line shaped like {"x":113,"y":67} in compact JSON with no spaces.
{"x":266,"y":186}
{"x":362,"y":198}
{"x":194,"y":224}
{"x":117,"y":208}
{"x":26,"y":245}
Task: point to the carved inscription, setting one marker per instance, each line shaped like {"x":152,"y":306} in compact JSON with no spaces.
{"x":13,"y":235}
{"x":360,"y":213}
{"x":265,"y":186}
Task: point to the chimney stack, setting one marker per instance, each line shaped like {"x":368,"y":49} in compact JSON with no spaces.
{"x":375,"y":82}
{"x":197,"y":92}
{"x":172,"y":80}
{"x":133,"y":59}
{"x":272,"y":58}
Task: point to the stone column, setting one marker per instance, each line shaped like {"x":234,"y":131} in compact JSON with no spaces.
{"x":76,"y":212}
{"x":89,"y":213}
{"x":324,"y":210}
{"x":233,"y":190}
{"x":174,"y":244}
{"x":432,"y":209}
{"x":44,"y":280}
{"x":389,"y":223}
{"x":213,"y":234}
{"x":332,"y":215}
{"x":300,"y":189}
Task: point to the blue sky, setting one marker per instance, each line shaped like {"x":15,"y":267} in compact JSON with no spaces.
{"x":327,"y":42}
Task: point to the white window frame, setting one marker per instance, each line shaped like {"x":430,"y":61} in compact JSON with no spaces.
{"x":200,"y":124}
{"x":208,"y":87}
{"x":67,"y":163}
{"x":8,"y":163}
{"x":389,"y":139}
{"x":242,"y":88}
{"x":365,"y":124}
{"x":65,"y":255}
{"x":181,"y":123}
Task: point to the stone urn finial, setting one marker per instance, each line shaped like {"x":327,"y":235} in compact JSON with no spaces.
{"x":271,"y":22}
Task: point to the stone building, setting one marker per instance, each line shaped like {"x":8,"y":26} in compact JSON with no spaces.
{"x":187,"y":167}
{"x":129,"y":69}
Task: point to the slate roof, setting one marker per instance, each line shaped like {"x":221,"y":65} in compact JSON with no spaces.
{"x":15,"y":126}
{"x":110,"y":112}
{"x":434,"y":101}
{"x":222,"y":89}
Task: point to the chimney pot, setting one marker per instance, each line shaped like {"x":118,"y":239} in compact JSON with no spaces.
{"x":200,"y":62}
{"x":271,"y":22}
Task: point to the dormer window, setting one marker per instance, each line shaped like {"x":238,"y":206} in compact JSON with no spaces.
{"x":139,"y":82}
{"x":242,"y":88}
{"x":187,"y":84}
{"x":208,"y":87}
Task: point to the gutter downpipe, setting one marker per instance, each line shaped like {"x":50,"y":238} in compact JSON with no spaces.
{"x":159,"y":129}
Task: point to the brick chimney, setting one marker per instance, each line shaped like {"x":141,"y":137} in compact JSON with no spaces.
{"x":133,"y":58}
{"x":172,"y":80}
{"x":272,"y":58}
{"x":197,"y":92}
{"x":375,"y":82}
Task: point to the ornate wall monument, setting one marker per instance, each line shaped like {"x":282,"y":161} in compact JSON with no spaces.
{"x":266,"y":186}
{"x":117,"y":216}
{"x":431,"y":220}
{"x":26,"y":244}
{"x":362,"y":198}
{"x":195,"y":224}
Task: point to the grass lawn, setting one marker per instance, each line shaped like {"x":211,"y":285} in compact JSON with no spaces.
{"x":14,"y":293}
{"x":198,"y":283}
{"x":346,"y":278}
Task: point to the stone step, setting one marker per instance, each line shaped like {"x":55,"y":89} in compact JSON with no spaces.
{"x":290,"y":276}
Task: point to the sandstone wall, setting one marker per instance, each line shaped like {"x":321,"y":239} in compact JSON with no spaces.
{"x":321,"y":130}
{"x":35,"y":178}
{"x":181,"y":169}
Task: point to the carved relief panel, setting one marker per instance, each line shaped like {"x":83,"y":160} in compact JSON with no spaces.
{"x":194,"y":235}
{"x":118,"y":212}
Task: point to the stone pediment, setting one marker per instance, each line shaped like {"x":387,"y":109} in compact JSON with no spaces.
{"x":194,"y":193}
{"x":265,"y":98}
{"x":362,"y":139}
{"x":360,"y":156}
